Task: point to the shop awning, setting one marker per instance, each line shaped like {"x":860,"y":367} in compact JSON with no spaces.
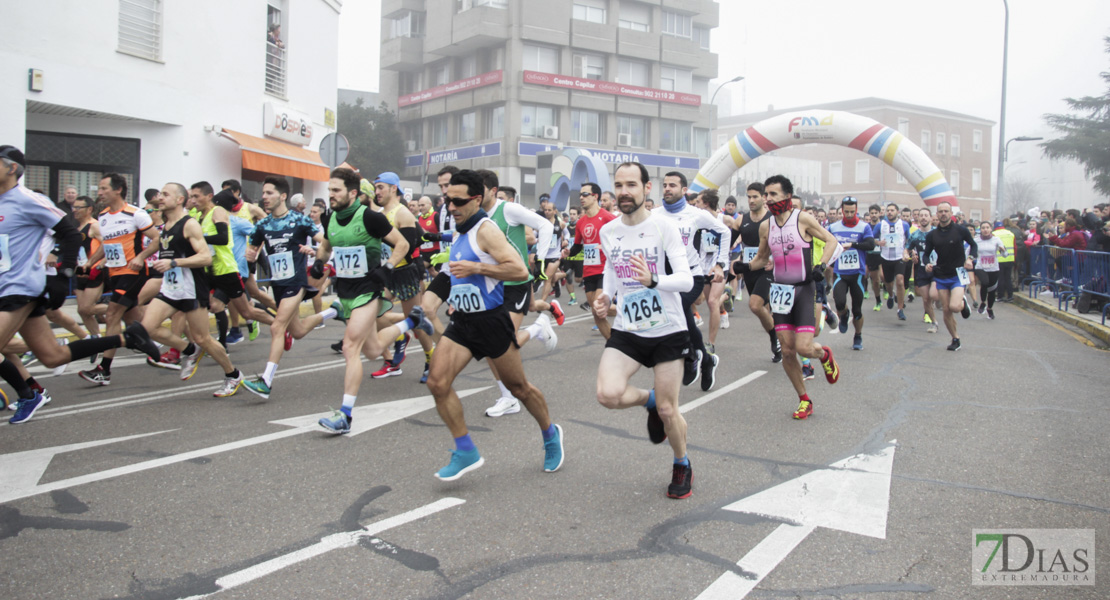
{"x":279,"y":158}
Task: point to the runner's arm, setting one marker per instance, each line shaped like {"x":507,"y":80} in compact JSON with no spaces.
{"x":516,"y":214}
{"x":509,"y":266}
{"x":680,"y":279}
{"x":195,"y":235}
{"x":68,"y":238}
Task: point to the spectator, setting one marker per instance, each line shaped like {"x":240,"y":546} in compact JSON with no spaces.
{"x":1072,"y":237}
{"x":298,"y":204}
{"x":69,"y":196}
{"x":274,"y":36}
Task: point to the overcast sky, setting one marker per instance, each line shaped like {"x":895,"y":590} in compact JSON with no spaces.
{"x":941,"y":53}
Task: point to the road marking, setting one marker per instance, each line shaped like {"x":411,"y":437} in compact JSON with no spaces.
{"x":721,"y":392}
{"x":24,"y":475}
{"x":851,"y":495}
{"x":346,"y":539}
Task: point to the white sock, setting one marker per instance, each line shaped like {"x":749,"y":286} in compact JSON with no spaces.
{"x":268,"y":374}
{"x":404,"y":326}
{"x":535,"y":331}
{"x":328,"y":313}
{"x":505,"y":393}
{"x":348,"y":403}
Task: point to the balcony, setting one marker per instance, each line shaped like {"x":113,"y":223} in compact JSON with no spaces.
{"x":392,"y":8}
{"x":402,"y":54}
{"x":275,"y":70}
{"x":477,"y":27}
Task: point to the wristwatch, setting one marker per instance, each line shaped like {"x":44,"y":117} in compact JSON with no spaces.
{"x":173,"y":263}
{"x":654,"y":281}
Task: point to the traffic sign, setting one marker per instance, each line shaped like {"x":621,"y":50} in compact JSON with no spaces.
{"x":334,"y":149}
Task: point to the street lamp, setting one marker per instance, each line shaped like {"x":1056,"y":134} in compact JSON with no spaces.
{"x":1003,"y":156}
{"x":713,"y":108}
{"x":1023,"y":138}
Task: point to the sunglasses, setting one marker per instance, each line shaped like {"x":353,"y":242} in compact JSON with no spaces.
{"x":461,"y":201}
{"x":585,"y":194}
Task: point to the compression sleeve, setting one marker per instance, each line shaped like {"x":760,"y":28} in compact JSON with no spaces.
{"x":220,"y":238}
{"x":411,"y":236}
{"x":575,"y":249}
{"x":68,"y":238}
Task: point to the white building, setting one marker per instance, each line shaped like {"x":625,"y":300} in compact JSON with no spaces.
{"x":169,"y":91}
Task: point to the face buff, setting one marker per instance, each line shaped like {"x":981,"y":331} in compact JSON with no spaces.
{"x":777,"y":208}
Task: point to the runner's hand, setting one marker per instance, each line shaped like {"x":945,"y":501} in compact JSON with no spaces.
{"x":601,"y":305}
{"x":640,"y":268}
{"x":161,"y":265}
{"x":463,"y":268}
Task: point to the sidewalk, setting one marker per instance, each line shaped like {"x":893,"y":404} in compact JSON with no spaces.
{"x":1045,"y":304}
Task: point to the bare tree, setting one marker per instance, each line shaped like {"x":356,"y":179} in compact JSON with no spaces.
{"x":1021,"y":194}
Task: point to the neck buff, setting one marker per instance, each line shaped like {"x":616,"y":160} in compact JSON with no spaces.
{"x":345,"y":214}
{"x":782,"y":206}
{"x":851,"y":222}
{"x":471,"y":222}
{"x":677,"y":206}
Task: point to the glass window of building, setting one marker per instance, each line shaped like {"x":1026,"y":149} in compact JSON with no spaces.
{"x":585,"y":126}
{"x":589,"y":66}
{"x":589,"y":10}
{"x":468,"y":123}
{"x":676,"y":136}
{"x":541,"y":58}
{"x":438,"y":126}
{"x":863,"y":171}
{"x":976,"y":180}
{"x":836,"y":173}
{"x":441,"y":74}
{"x":633,"y":72}
{"x":635,"y":16}
{"x":677,"y":24}
{"x":409,"y":24}
{"x":955,"y":145}
{"x":926,"y":140}
{"x":977,"y":140}
{"x":632,"y":131}
{"x":464,"y":5}
{"x":467,"y":66}
{"x":954,"y":181}
{"x":495,"y":122}
{"x":533,"y":119}
{"x":140,"y":28}
{"x":701,"y":36}
{"x":940,"y":142}
{"x":410,"y":82}
{"x":412,"y":134}
{"x":904,"y":126}
{"x":701,"y":142}
{"x":674,"y":79}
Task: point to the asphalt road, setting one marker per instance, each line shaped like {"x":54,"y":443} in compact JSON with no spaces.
{"x":150,"y":488}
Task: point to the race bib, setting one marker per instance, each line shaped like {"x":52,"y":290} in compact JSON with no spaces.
{"x":642,"y":310}
{"x":782,"y":298}
{"x":113,"y":256}
{"x":709,"y":244}
{"x":892,"y":239}
{"x":281,"y":266}
{"x":848,"y":261}
{"x":591,"y":255}
{"x":961,"y":273}
{"x":173,"y":282}
{"x":986,"y":261}
{"x":350,"y":262}
{"x":5,"y":257}
{"x":749,"y":254}
{"x":82,"y":257}
{"x":467,"y":298}
{"x":427,"y":245}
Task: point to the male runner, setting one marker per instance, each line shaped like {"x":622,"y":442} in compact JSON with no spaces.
{"x":650,"y":327}
{"x":571,"y":264}
{"x":587,"y":242}
{"x":951,"y":267}
{"x":787,"y":238}
{"x":757,"y":282}
{"x":482,"y":258}
{"x":851,"y":268}
{"x":709,"y":246}
{"x":89,"y":287}
{"x":874,"y":258}
{"x":891,"y":238}
{"x":923,"y":280}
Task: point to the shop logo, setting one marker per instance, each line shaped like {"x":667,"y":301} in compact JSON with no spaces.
{"x":1033,"y":557}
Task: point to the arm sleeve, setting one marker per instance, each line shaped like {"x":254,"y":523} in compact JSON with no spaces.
{"x":574,"y":249}
{"x":220,"y":238}
{"x":706,"y":221}
{"x":866,"y":241}
{"x":680,"y":279}
{"x":378,"y":225}
{"x":68,"y":238}
{"x":516,"y":214}
{"x":411,"y":235}
{"x":924,"y":258}
{"x":257,"y":235}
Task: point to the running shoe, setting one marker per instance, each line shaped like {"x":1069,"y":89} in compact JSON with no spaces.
{"x":46,"y":399}
{"x":697,"y":320}
{"x":338,"y":347}
{"x":230,"y":387}
{"x":709,"y":372}
{"x":320,"y":326}
{"x":338,"y":307}
{"x":857,"y":342}
{"x":420,"y":321}
{"x":982,"y":308}
{"x":573,"y":301}
{"x":776,"y":348}
{"x":337,"y":424}
{"x":190,"y":363}
{"x":585,"y":306}
{"x":889,"y":301}
{"x":424,"y":376}
{"x":26,"y":409}
{"x":28,"y":358}
{"x":805,"y":409}
{"x":965,"y":312}
{"x":831,"y":319}
{"x":843,"y":324}
{"x":927,"y":319}
{"x":387,"y":370}
{"x":710,"y":348}
{"x":724,"y":320}
{"x":866,"y":294}
{"x":693,"y":368}
{"x":399,"y":348}
{"x":990,"y":314}
{"x":682,"y":482}
{"x":288,"y":341}
{"x":832,"y":370}
{"x":253,"y":329}
{"x":462,"y":462}
{"x":550,"y":339}
{"x":506,"y":405}
{"x":909,"y":296}
{"x":656,"y":432}
{"x":553,"y":451}
{"x":138,"y":339}
{"x":258,"y":386}
{"x":557,"y":310}
{"x":807,"y":372}
{"x":901,"y":315}
{"x":955,"y":345}
{"x":234,"y":336}
{"x":931,"y":328}
{"x":60,"y":369}
{"x":878,"y":306}
{"x":96,"y":375}
{"x":728,"y":299}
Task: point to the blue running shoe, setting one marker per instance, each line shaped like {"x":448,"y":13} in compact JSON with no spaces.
{"x":420,"y":321}
{"x":339,"y":311}
{"x":234,"y":336}
{"x":857,"y":342}
{"x":461,"y":464}
{"x":424,"y":377}
{"x":843,"y":325}
{"x":399,"y":348}
{"x":337,"y":424}
{"x":27,"y":407}
{"x":553,"y":451}
{"x":901,"y":315}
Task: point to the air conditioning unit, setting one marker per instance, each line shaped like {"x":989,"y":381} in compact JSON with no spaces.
{"x":410,"y":145}
{"x":624,"y":139}
{"x":550,"y":132}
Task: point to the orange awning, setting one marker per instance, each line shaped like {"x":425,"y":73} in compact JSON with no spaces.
{"x":279,"y":158}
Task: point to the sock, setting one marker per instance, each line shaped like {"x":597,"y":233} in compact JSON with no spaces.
{"x":572,"y":297}
{"x":825,"y":354}
{"x":805,"y":398}
{"x":505,"y":393}
{"x":650,"y":404}
{"x":234,"y":330}
{"x":805,"y":361}
{"x":428,"y":354}
{"x":535,"y":331}
{"x":404,"y":326}
{"x":189,"y":350}
{"x":234,"y":374}
{"x":10,"y":373}
{"x":34,"y":385}
{"x":106,"y":365}
{"x":549,"y":432}
{"x":221,"y":326}
{"x":328,"y":313}
{"x":684,"y":461}
{"x":268,"y":374}
{"x":348,"y":405}
{"x":464,"y":443}
{"x":91,"y":346}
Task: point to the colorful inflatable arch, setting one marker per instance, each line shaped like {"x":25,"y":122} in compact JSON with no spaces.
{"x":828,"y":127}
{"x":572,"y":168}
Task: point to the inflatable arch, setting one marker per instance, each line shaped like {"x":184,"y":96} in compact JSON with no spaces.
{"x":572,"y":168}
{"x":828,"y":127}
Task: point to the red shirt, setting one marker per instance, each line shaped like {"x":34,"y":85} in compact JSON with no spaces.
{"x":588,"y":233}
{"x":428,"y":224}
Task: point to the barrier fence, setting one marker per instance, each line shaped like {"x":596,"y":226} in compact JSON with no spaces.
{"x":1079,"y":276}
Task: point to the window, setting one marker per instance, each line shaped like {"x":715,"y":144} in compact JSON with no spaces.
{"x":140,"y":28}
{"x":836,"y":173}
{"x":674,"y":79}
{"x":863,"y":171}
{"x":467,"y":67}
{"x":589,"y":66}
{"x":676,"y":136}
{"x":977,"y":140}
{"x":633,"y":73}
{"x":904,"y":126}
{"x":491,"y":59}
{"x":410,"y":82}
{"x":534,"y":118}
{"x":439,"y":131}
{"x":926,"y":140}
{"x":940,"y":142}
{"x":899,"y":178}
{"x":954,"y":181}
{"x":495,"y":122}
{"x":411,"y":132}
{"x":701,"y":142}
{"x":955,"y":146}
{"x":441,"y":74}
{"x":635,"y":16}
{"x":976,"y":180}
{"x":976,"y":214}
{"x":589,"y":10}
{"x":541,"y":58}
{"x":409,"y":24}
{"x":463,"y":5}
{"x":701,"y":36}
{"x":467,"y":125}
{"x":275,"y":51}
{"x":585,"y":126}
{"x":632,"y":131}
{"x":677,"y":25}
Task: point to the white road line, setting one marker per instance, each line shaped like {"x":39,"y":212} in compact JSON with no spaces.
{"x":327,"y":544}
{"x":761,"y":560}
{"x":717,"y":394}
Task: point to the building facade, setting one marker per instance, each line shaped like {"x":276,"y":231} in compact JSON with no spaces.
{"x":488,"y":84}
{"x":170,"y":91}
{"x":960,"y":145}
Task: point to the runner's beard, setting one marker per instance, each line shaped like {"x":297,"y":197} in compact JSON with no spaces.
{"x":621,"y":204}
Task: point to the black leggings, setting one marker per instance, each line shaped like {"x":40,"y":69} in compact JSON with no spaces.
{"x":844,"y":284}
{"x":988,"y":283}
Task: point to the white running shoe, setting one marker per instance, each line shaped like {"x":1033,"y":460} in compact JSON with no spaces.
{"x":724,"y":321}
{"x":550,"y":339}
{"x":60,"y":369}
{"x":504,"y":406}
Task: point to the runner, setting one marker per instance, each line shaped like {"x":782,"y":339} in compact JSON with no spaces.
{"x":571,"y":265}
{"x":855,"y":237}
{"x":950,"y":268}
{"x":874,"y":258}
{"x":482,"y":258}
{"x":549,"y":265}
{"x":650,"y":326}
{"x":758,"y":282}
{"x":787,"y":239}
{"x":891,"y":238}
{"x":923,"y":280}
{"x":709,"y":247}
{"x":90,"y":280}
{"x":688,"y":220}
{"x":987,"y":268}
{"x":587,"y":243}
{"x":242,"y":217}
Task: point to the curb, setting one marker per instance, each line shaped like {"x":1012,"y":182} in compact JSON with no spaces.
{"x":1094,"y":329}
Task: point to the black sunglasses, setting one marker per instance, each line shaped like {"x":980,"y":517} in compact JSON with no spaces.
{"x":584,"y":194}
{"x":461,"y":201}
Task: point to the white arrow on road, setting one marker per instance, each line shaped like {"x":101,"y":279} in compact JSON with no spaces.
{"x":851,"y":495}
{"x":20,"y":472}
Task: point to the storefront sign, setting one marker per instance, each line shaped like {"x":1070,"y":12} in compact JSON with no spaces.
{"x":286,"y":124}
{"x":611,"y":88}
{"x":454,"y":154}
{"x":448,"y":89}
{"x":617,"y":156}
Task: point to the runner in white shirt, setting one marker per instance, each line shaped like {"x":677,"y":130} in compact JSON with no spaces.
{"x":709,"y":251}
{"x":986,"y":267}
{"x":646,"y":272}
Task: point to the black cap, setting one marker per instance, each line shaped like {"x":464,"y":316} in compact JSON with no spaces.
{"x":13,"y":154}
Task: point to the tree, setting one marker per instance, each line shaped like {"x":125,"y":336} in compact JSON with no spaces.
{"x":1021,"y":195}
{"x":376,"y":144}
{"x":1085,"y":137}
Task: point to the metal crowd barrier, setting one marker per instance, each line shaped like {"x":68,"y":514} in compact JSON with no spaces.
{"x":1069,"y":274}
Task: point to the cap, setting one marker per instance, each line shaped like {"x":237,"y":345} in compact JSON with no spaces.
{"x":389,"y":178}
{"x":13,"y":154}
{"x":998,"y":223}
{"x":366,"y":187}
